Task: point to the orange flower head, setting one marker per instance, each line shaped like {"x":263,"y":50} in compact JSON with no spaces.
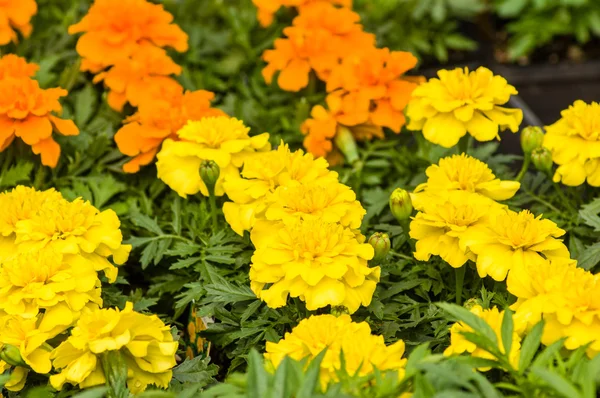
{"x":26,"y":111}
{"x":320,"y":130}
{"x":15,"y":15}
{"x":114,"y":29}
{"x":12,"y":65}
{"x":158,"y":118}
{"x":374,"y":87}
{"x":266,"y":9}
{"x":143,"y":76}
{"x":320,"y":37}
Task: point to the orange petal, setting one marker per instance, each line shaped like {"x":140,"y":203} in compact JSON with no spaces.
{"x":116,"y":100}
{"x":33,"y":129}
{"x":133,"y":166}
{"x":7,"y":130}
{"x":295,"y":76}
{"x":385,"y":115}
{"x":49,"y":150}
{"x":64,"y":126}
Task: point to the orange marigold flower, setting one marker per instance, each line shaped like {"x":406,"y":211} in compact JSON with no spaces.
{"x":268,"y":8}
{"x":372,"y":87}
{"x":26,"y":111}
{"x":12,"y":65}
{"x":114,"y":29}
{"x":15,"y":15}
{"x":159,"y":118}
{"x":320,"y":37}
{"x":139,"y":77}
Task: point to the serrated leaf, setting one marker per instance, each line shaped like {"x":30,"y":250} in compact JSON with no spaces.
{"x":85,"y":104}
{"x":476,"y":323}
{"x":558,"y":383}
{"x":20,"y":172}
{"x":258,"y":378}
{"x":197,"y":371}
{"x":145,"y":222}
{"x":589,"y":257}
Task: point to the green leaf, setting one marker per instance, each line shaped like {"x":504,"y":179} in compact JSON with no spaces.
{"x":95,"y":392}
{"x":558,"y":383}
{"x":589,"y":257}
{"x":311,"y":379}
{"x":544,"y":358}
{"x":20,"y":172}
{"x":197,"y":371}
{"x":145,"y":222}
{"x":115,"y":371}
{"x":589,"y":214}
{"x":226,"y":292}
{"x":476,"y":323}
{"x":530,"y":346}
{"x":507,"y":331}
{"x":85,"y":104}
{"x":258,"y":378}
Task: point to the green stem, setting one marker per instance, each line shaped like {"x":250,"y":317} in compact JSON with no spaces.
{"x":464,"y":144}
{"x":563,"y":198}
{"x":213,"y":207}
{"x":524,"y":168}
{"x":460,"y":279}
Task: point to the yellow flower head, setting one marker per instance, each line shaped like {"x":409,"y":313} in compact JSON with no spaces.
{"x":144,"y":341}
{"x":329,"y":202}
{"x":362,"y":351}
{"x":441,"y":223}
{"x":262,"y":174}
{"x":321,"y":263}
{"x":34,"y":280}
{"x":510,"y":238}
{"x":459,"y":101}
{"x":21,"y":204}
{"x":463,"y":173}
{"x":30,"y":335}
{"x":221,"y":139}
{"x":565,"y":296}
{"x":459,"y":344}
{"x":574,"y":141}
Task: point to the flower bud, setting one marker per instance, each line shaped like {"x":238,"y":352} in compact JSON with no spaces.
{"x":472,"y":302}
{"x":11,"y":355}
{"x":532,"y":138}
{"x":339,"y":310}
{"x":401,"y":204}
{"x":382,"y":244}
{"x":345,"y":142}
{"x":209,"y":172}
{"x":542,"y":159}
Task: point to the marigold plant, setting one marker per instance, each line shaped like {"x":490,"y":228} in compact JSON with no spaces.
{"x":462,"y":173}
{"x":319,"y":38}
{"x":510,"y":238}
{"x":440,"y":225}
{"x":266,"y":9}
{"x":459,"y":344}
{"x":362,"y":351}
{"x":261,"y":175}
{"x":15,"y":15}
{"x":574,"y":141}
{"x":221,"y":139}
{"x":28,"y":112}
{"x":321,"y":263}
{"x":158,"y":118}
{"x":144,"y":341}
{"x":460,"y":102}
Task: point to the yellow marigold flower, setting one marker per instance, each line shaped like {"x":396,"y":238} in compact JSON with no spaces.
{"x":144,"y":341}
{"x":42,"y":279}
{"x":363,"y":352}
{"x":262,"y":174}
{"x":22,"y":203}
{"x":329,"y":202}
{"x":30,"y":335}
{"x":321,"y":263}
{"x":463,"y":173}
{"x":266,"y":9}
{"x":221,"y":139}
{"x":459,"y":344}
{"x":510,"y":238}
{"x":565,"y":296}
{"x":15,"y":15}
{"x":459,"y":101}
{"x":574,"y":141}
{"x":440,"y":225}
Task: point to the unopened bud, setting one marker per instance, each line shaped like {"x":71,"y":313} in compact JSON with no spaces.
{"x":209,"y":172}
{"x":472,"y":302}
{"x":401,"y":204}
{"x":11,"y":355}
{"x":339,"y":310}
{"x":382,"y":244}
{"x":542,"y":159}
{"x":345,"y":142}
{"x":532,"y":137}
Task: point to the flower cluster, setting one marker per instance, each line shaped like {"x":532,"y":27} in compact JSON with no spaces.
{"x":460,"y":220}
{"x":304,"y":225}
{"x":123,"y":43}
{"x":366,"y":86}
{"x":29,"y":112}
{"x":574,"y":141}
{"x":51,"y":254}
{"x":460,"y":102}
{"x":362,"y":351}
{"x":15,"y":16}
{"x":459,"y":343}
{"x":564,"y":296}
{"x":221,"y":139}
